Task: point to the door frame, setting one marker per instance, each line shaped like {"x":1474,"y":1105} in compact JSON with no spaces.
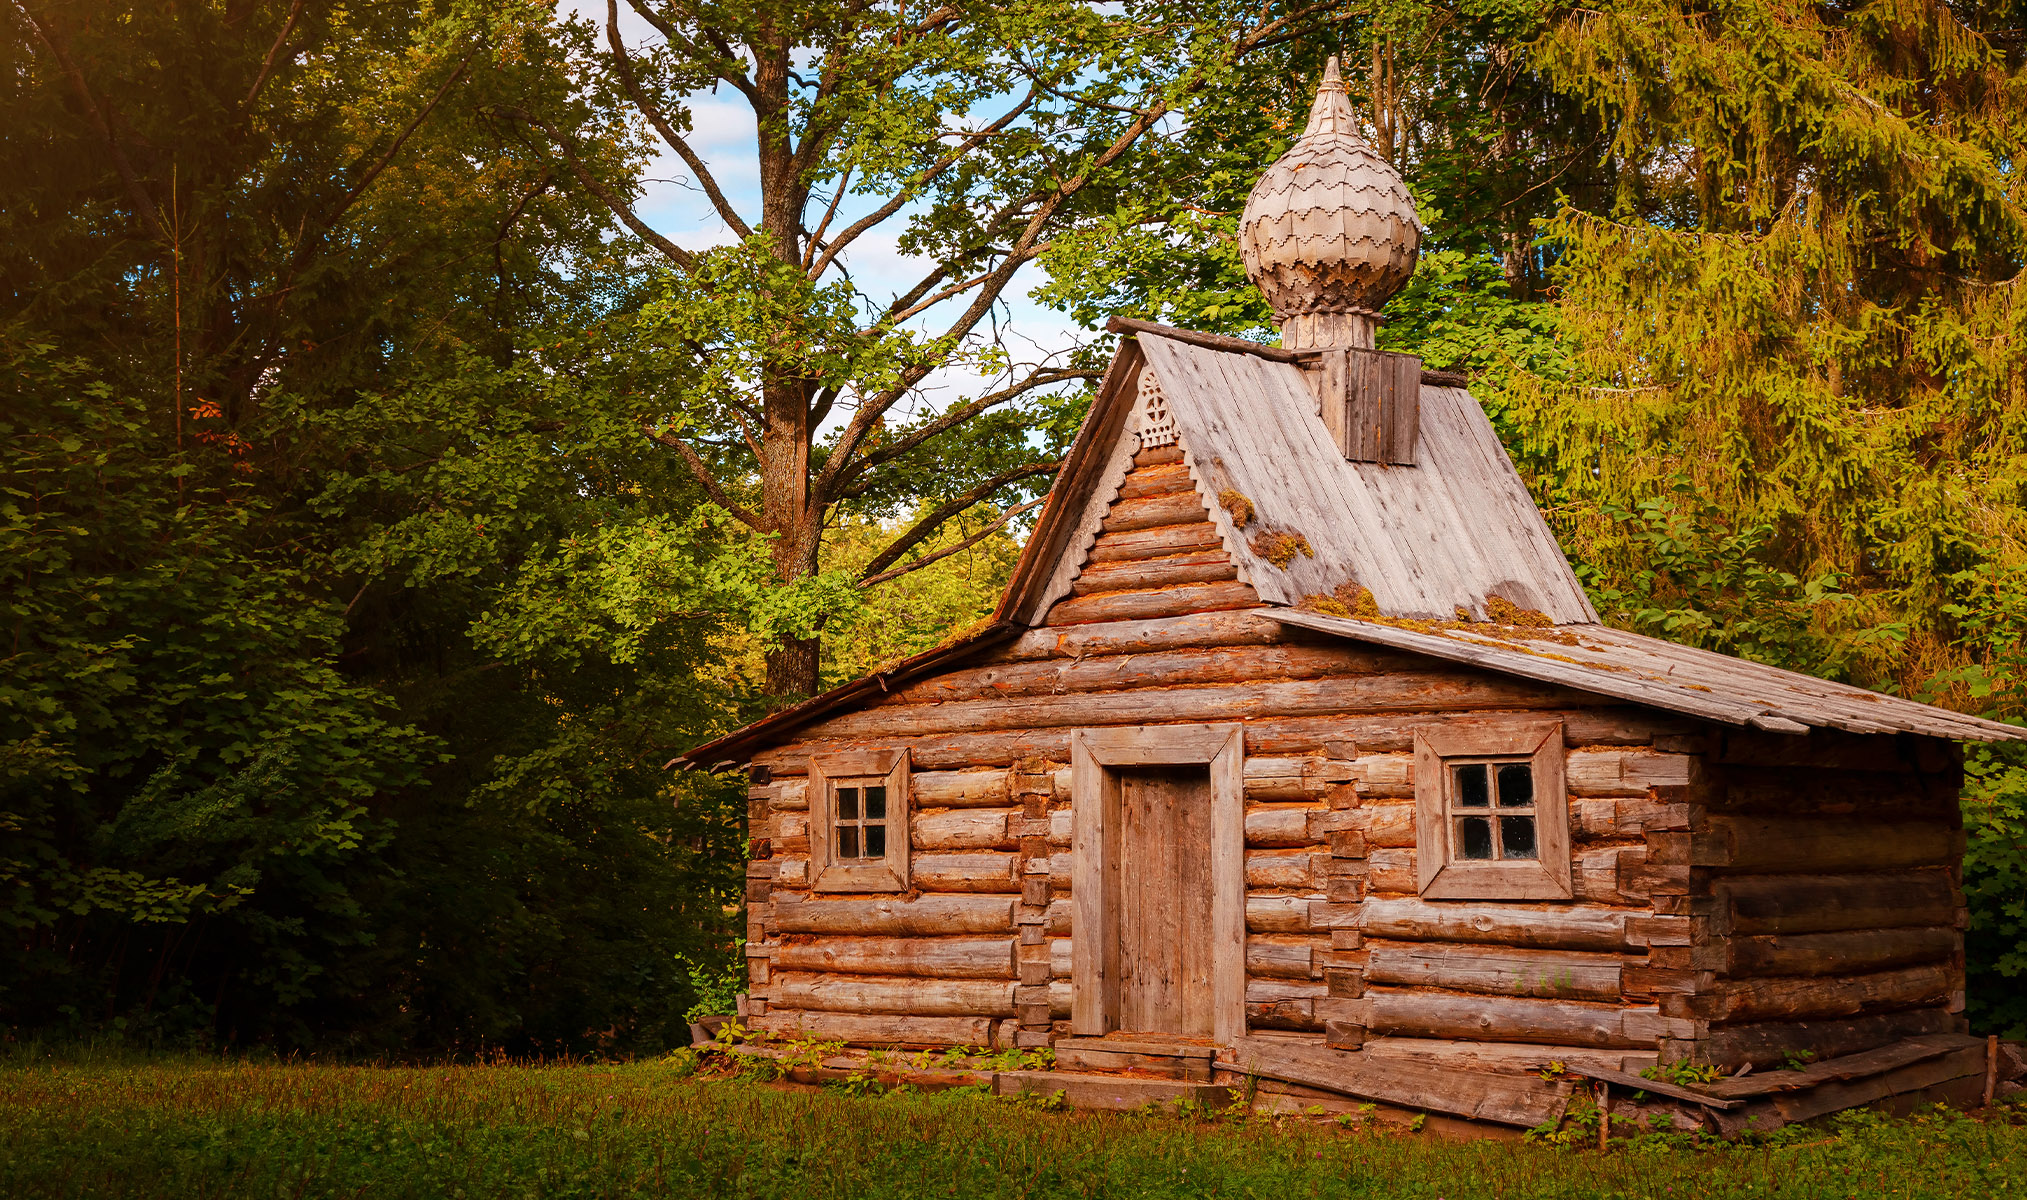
{"x":1094,"y":798}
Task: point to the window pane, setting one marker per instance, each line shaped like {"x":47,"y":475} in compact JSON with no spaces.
{"x":848,"y":841}
{"x":1471,"y":787}
{"x":1516,"y":837}
{"x":876,"y":841}
{"x":876,"y":803}
{"x":848,"y":804}
{"x":1474,"y":837}
{"x":1516,"y":785}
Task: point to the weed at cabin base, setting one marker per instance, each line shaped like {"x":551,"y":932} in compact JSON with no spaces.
{"x":660,"y":1129}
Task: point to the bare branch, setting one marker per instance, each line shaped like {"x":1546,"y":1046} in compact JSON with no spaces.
{"x":962,"y":413}
{"x":724,"y":54}
{"x":934,"y":519}
{"x":274,"y":54}
{"x":992,"y":528}
{"x":623,"y":64}
{"x":837,"y":197}
{"x":624,"y":211}
{"x":704,"y":476}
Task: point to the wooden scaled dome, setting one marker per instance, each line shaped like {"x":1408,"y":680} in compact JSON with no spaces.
{"x":1329,"y":233}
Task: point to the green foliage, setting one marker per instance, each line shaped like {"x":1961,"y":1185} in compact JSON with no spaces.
{"x":1995,"y":888}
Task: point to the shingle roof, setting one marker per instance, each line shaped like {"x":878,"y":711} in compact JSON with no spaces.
{"x":1453,"y":531}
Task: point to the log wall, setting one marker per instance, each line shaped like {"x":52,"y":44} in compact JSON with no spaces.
{"x":1827,"y":906}
{"x":1697,"y":927}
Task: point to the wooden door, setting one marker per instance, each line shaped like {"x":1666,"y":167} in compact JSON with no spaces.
{"x":1162,"y":866}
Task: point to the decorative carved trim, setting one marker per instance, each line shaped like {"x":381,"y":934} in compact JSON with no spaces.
{"x":1156,"y":425}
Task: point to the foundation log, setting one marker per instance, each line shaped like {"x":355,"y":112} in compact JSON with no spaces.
{"x":1501,"y":1019}
{"x":879,"y":1030}
{"x":1819,"y":997}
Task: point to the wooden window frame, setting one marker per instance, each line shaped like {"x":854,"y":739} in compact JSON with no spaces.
{"x":826,"y":873}
{"x":1445,"y":877}
{"x":1094,"y":798}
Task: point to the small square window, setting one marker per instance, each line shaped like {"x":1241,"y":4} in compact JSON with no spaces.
{"x":1491,"y":811}
{"x":859,"y":821}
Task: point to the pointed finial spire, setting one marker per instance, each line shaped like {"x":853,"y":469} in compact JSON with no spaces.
{"x":1331,"y":112}
{"x":1329,"y":233}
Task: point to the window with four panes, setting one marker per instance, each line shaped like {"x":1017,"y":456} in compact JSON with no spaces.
{"x":1492,"y":811}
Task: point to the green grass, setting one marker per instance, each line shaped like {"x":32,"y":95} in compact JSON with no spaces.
{"x":204,"y":1129}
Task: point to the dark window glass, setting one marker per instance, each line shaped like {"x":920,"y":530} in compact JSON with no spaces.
{"x":1471,"y":790}
{"x":876,"y":804}
{"x":1516,"y":837}
{"x":1516,"y":785}
{"x":876,"y":841}
{"x":848,"y":804}
{"x":1475,"y":833}
{"x":848,"y":841}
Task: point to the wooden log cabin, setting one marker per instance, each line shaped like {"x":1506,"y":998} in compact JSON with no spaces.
{"x":1296,"y":742}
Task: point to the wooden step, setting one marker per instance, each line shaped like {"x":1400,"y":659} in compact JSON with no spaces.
{"x":1167,"y":1059}
{"x":1111,"y":1093}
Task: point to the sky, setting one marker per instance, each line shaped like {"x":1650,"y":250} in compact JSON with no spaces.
{"x":724,"y":137}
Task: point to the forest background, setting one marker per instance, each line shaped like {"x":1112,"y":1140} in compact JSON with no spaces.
{"x":384,"y":498}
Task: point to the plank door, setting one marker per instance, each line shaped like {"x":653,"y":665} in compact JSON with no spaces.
{"x":1162,"y":866}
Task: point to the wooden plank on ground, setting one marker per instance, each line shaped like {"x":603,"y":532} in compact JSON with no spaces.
{"x":1507,"y":1099}
{"x":1851,"y":1066}
{"x":1659,"y":1088}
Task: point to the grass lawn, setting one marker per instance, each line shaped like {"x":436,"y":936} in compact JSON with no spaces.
{"x":204,"y":1129}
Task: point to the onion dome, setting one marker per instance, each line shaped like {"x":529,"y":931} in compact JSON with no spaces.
{"x":1329,"y":233}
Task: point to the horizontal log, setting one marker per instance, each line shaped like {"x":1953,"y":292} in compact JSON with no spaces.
{"x":1820,"y":844}
{"x":1539,"y":926}
{"x":1827,"y":903}
{"x":1296,"y":1015}
{"x":1386,"y":776}
{"x":1548,"y":974}
{"x":1220,"y":702}
{"x":1278,"y":827}
{"x":962,"y":829}
{"x":1196,"y":631}
{"x":1621,"y":772}
{"x":1277,"y":914}
{"x":1150,"y":512}
{"x":1769,"y":1044}
{"x":880,"y":1030}
{"x":879,"y":994}
{"x":1499,"y":1019}
{"x":957,"y":789}
{"x":1059,"y":998}
{"x":1205,"y":566}
{"x":1372,"y":732}
{"x":1056,"y":918}
{"x":1155,"y":456}
{"x":983,"y":872}
{"x":1840,"y":953}
{"x":1308,"y":778}
{"x":1164,"y":479}
{"x":1509,"y":1058}
{"x":1273,"y":991}
{"x":1061,"y":950}
{"x":1158,"y":542}
{"x":1391,"y":871}
{"x":1278,"y":869}
{"x":1818,"y":997}
{"x":1125,"y":672}
{"x":1280,"y":956}
{"x":1163,"y":602}
{"x":1385,"y":825}
{"x":922,"y":915}
{"x":932,"y":957}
